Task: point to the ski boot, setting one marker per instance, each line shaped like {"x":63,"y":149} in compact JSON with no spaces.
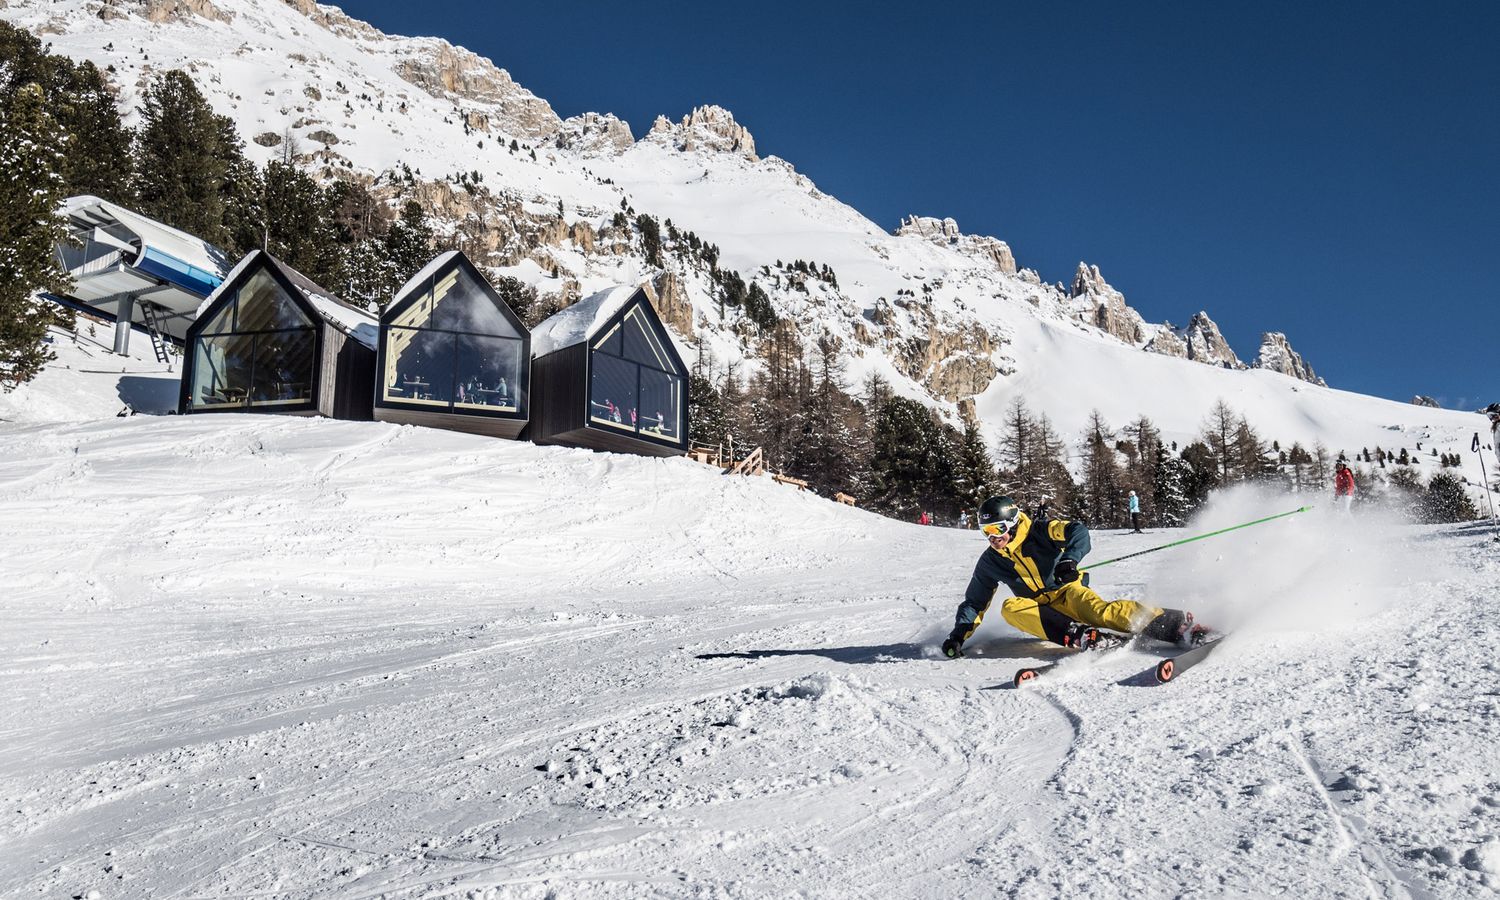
{"x":1086,"y":637}
{"x":1176,"y":626}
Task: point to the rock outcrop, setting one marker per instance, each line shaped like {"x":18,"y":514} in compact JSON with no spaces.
{"x":453,"y":73}
{"x":1206,"y":345}
{"x":705,"y":128}
{"x":592,"y":134}
{"x":1098,"y":304}
{"x":1278,"y":356}
{"x":985,"y":249}
{"x":670,"y":299}
{"x":162,"y":11}
{"x":1422,"y":400}
{"x":1167,"y":342}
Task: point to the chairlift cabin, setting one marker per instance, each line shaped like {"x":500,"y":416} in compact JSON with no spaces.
{"x":453,"y":354}
{"x":135,"y":270}
{"x":607,"y":377}
{"x":270,"y":340}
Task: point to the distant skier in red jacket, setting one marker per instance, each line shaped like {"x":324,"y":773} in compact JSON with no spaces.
{"x":1343,"y":486}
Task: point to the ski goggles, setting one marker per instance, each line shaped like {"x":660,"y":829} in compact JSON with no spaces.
{"x":997,"y":529}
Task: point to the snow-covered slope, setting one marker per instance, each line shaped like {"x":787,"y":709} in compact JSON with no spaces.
{"x":263,"y":656}
{"x":945,"y":316}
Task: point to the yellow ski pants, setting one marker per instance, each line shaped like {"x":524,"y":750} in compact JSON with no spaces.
{"x":1077,"y":601}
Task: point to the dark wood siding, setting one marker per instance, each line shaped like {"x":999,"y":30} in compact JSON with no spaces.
{"x":559,"y":393}
{"x":346,"y":376}
{"x":490,"y":426}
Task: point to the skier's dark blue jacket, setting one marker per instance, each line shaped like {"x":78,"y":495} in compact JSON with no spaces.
{"x":1025,"y":565}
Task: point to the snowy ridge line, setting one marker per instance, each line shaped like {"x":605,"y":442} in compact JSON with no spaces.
{"x":941,"y":315}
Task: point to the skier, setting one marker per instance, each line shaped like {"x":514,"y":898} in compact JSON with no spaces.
{"x":1135,"y":513}
{"x":1038,"y":563}
{"x":1343,"y":486}
{"x":1493,"y":411}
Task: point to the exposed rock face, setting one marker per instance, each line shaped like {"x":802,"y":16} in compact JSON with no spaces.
{"x":592,"y":134}
{"x":705,"y":128}
{"x":1206,"y":345}
{"x":945,"y":231}
{"x":1421,"y":400}
{"x":1168,"y":342}
{"x":1278,"y":356}
{"x":671,"y":301}
{"x":448,"y":72}
{"x":1095,"y":302}
{"x":161,"y":11}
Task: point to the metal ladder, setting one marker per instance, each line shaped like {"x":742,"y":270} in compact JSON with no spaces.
{"x":153,"y":327}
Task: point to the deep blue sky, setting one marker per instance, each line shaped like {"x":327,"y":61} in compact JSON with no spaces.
{"x":1329,"y":170}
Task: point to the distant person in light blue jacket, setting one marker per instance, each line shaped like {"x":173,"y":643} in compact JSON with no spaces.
{"x":1135,"y":513}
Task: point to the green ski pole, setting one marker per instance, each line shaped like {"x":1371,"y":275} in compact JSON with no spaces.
{"x":1200,"y":537}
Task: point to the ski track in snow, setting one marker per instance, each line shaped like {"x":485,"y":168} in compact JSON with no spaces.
{"x":274,"y":657}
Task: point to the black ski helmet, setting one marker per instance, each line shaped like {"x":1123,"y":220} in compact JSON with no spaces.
{"x":998,"y":509}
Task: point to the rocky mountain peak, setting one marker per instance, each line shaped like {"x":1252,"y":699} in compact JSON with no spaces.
{"x":594,"y":134}
{"x":945,"y":232}
{"x":1206,"y":344}
{"x":1089,"y":280}
{"x":453,"y":73}
{"x":705,"y":128}
{"x":1098,"y":304}
{"x":1277,"y":355}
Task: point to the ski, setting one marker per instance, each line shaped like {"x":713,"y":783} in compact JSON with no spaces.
{"x":1172,"y":666}
{"x":1031,"y":673}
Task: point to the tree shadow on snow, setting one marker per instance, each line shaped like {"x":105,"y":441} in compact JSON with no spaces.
{"x":996,"y":648}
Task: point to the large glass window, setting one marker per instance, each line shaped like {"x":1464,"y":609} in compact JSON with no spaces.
{"x":454,"y":347}
{"x":634,"y":385}
{"x":258,"y":350}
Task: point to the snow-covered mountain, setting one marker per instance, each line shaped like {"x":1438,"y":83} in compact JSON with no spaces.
{"x":950,"y":318}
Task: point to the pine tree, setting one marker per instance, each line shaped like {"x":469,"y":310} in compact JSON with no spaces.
{"x":1219,"y":431}
{"x":1018,"y":453}
{"x":1447,"y":500}
{"x":974,"y":472}
{"x":911,"y":466}
{"x":32,"y":156}
{"x":707,"y":423}
{"x":1203,"y":472}
{"x":301,"y":224}
{"x":407,"y":248}
{"x":832,"y":450}
{"x":1100,"y":485}
{"x":1170,"y":502}
{"x":182,"y":158}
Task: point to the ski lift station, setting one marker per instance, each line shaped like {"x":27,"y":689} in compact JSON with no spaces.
{"x":270,"y":340}
{"x":134,"y":270}
{"x":606,"y":376}
{"x":453,"y":354}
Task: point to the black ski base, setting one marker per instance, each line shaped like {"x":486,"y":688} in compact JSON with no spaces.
{"x":1172,"y":666}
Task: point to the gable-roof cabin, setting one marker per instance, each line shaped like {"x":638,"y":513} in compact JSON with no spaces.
{"x":271,"y":340}
{"x":606,"y":376}
{"x":453,"y":354}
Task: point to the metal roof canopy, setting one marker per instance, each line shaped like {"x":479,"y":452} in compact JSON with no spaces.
{"x":118,"y":258}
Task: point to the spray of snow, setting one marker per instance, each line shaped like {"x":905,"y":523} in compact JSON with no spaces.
{"x":1320,"y":567}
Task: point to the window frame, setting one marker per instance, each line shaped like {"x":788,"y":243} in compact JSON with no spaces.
{"x":520,"y":407}
{"x":657,"y":333}
{"x":230,"y":298}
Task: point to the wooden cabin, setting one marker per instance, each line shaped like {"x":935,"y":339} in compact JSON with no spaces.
{"x":453,"y":354}
{"x":270,"y":340}
{"x":605,"y":376}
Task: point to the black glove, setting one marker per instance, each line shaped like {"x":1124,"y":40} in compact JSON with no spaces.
{"x":1065,"y":571}
{"x":953,"y":648}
